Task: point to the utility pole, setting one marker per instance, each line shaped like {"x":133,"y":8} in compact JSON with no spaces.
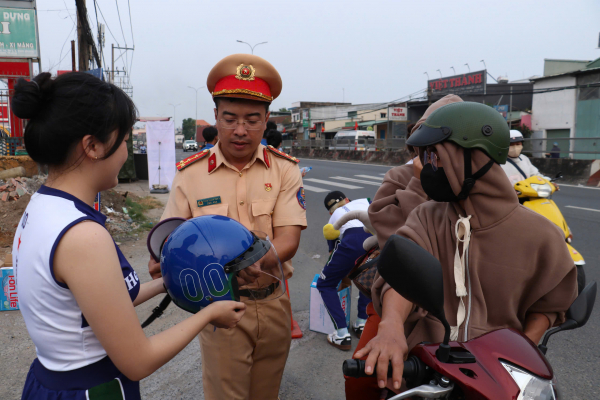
{"x":84,"y":48}
{"x":84,"y":38}
{"x":112,"y":69}
{"x":73,"y":65}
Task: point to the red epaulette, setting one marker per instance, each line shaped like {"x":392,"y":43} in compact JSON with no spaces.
{"x":282,"y":154}
{"x":192,"y":159}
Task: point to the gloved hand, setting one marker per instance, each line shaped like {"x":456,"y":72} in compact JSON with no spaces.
{"x":330,"y":232}
{"x":362,"y":216}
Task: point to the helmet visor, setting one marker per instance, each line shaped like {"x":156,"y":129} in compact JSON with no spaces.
{"x":257,"y":274}
{"x":427,"y":135}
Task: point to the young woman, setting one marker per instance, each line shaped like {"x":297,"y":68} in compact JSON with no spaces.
{"x":76,"y":289}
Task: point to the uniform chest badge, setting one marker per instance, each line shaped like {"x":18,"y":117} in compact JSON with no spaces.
{"x":245,"y":72}
{"x":268,"y":187}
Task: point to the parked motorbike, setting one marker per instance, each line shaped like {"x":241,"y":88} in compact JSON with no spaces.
{"x":503,"y":364}
{"x":535,"y":193}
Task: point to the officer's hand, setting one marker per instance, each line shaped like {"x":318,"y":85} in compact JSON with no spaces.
{"x":154,"y":268}
{"x":226,"y":314}
{"x":249,"y":275}
{"x":389,"y":344}
{"x":417,"y":167}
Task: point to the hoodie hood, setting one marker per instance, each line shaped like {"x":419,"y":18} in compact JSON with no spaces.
{"x":491,"y":199}
{"x":448,"y":99}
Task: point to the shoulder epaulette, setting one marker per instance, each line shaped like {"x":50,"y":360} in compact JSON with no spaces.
{"x":192,"y":159}
{"x":282,"y":154}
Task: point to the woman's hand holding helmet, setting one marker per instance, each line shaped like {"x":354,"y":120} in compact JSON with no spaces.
{"x":226,"y":314}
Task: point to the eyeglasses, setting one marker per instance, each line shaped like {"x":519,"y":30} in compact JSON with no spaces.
{"x":430,"y":157}
{"x":232,"y":123}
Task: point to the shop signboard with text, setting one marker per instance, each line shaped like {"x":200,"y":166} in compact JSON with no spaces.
{"x":471,"y":83}
{"x":18,"y":33}
{"x":397,"y":113}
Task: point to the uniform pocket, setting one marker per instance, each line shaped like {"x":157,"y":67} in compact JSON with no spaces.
{"x":215,"y":209}
{"x":262,"y":211}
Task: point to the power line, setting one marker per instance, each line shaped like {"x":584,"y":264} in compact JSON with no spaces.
{"x":107,"y":26}
{"x":376,"y":107}
{"x":124,"y":39}
{"x":130,"y":23}
{"x":119,"y":14}
{"x":132,"y":39}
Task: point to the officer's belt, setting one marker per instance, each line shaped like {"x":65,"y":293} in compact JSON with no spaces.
{"x":260,"y":294}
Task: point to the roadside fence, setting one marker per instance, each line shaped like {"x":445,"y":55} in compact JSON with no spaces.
{"x":346,"y":144}
{"x":12,"y":146}
{"x":577,"y":148}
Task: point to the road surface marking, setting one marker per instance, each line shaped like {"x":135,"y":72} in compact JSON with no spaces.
{"x":308,"y":160}
{"x":314,"y":189}
{"x":579,"y":186}
{"x":583,"y":208}
{"x":332,"y":183}
{"x":379,"y":178}
{"x":343,"y":178}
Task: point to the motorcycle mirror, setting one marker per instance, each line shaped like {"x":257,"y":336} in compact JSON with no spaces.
{"x":582,"y":307}
{"x":559,"y":175}
{"x":417,"y":276}
{"x":577,"y":315}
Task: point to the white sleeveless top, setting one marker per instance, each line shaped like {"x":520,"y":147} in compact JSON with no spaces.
{"x":63,"y":339}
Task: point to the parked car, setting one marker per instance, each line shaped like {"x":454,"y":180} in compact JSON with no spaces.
{"x":353,"y":140}
{"x":190,"y":145}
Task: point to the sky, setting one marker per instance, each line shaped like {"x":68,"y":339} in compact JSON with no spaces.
{"x":355,"y":51}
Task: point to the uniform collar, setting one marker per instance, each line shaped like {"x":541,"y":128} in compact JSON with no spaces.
{"x":216,"y":159}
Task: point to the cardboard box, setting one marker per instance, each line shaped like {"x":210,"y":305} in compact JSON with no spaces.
{"x":320,"y":321}
{"x":8,"y":295}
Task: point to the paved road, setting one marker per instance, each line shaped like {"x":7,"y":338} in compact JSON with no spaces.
{"x":314,"y":368}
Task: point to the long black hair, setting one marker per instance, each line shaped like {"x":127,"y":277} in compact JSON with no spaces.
{"x":61,"y":111}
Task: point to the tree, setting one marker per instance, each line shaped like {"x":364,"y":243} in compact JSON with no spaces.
{"x":189,"y":129}
{"x":284,"y":110}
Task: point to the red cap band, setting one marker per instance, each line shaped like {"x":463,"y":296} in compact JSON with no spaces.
{"x":232,"y":85}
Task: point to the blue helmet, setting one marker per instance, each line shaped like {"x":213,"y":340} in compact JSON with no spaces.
{"x":201,"y":257}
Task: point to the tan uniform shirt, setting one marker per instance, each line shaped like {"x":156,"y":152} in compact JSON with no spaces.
{"x":267,"y":193}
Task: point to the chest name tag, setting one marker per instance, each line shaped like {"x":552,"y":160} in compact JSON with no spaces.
{"x":209,"y":201}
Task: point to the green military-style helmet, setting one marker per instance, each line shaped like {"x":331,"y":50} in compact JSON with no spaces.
{"x":469,"y":125}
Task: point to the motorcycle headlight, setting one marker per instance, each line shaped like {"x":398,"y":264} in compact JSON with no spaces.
{"x":532,"y":387}
{"x":543,"y":190}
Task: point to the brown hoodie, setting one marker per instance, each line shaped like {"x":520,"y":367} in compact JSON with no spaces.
{"x":517,"y":260}
{"x":400,"y":191}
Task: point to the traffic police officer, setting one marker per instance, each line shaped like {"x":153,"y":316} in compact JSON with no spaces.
{"x":261,"y":188}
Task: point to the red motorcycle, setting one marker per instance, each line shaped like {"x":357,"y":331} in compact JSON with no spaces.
{"x":502,"y":364}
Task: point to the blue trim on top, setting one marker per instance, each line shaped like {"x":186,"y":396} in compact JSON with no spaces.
{"x":79,"y":204}
{"x":55,"y":245}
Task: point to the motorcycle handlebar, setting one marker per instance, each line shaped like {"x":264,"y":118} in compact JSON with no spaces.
{"x":356,"y":368}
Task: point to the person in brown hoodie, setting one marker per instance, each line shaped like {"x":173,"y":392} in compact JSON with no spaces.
{"x":401,"y":190}
{"x":504,"y":266}
{"x":398,"y":195}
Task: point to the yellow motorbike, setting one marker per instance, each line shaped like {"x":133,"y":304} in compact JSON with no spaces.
{"x":535,"y":193}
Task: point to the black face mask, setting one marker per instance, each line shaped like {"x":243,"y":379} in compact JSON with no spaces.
{"x":436,"y":185}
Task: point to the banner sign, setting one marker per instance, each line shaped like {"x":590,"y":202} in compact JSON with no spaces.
{"x":160,"y":136}
{"x":3,"y":112}
{"x":471,"y":83}
{"x":398,"y":114}
{"x":18,"y":33}
{"x":503,"y":110}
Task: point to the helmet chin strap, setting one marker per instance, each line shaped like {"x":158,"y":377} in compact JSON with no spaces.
{"x":471,"y":178}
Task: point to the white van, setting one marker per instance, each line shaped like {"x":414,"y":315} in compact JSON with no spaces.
{"x":353,"y":140}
